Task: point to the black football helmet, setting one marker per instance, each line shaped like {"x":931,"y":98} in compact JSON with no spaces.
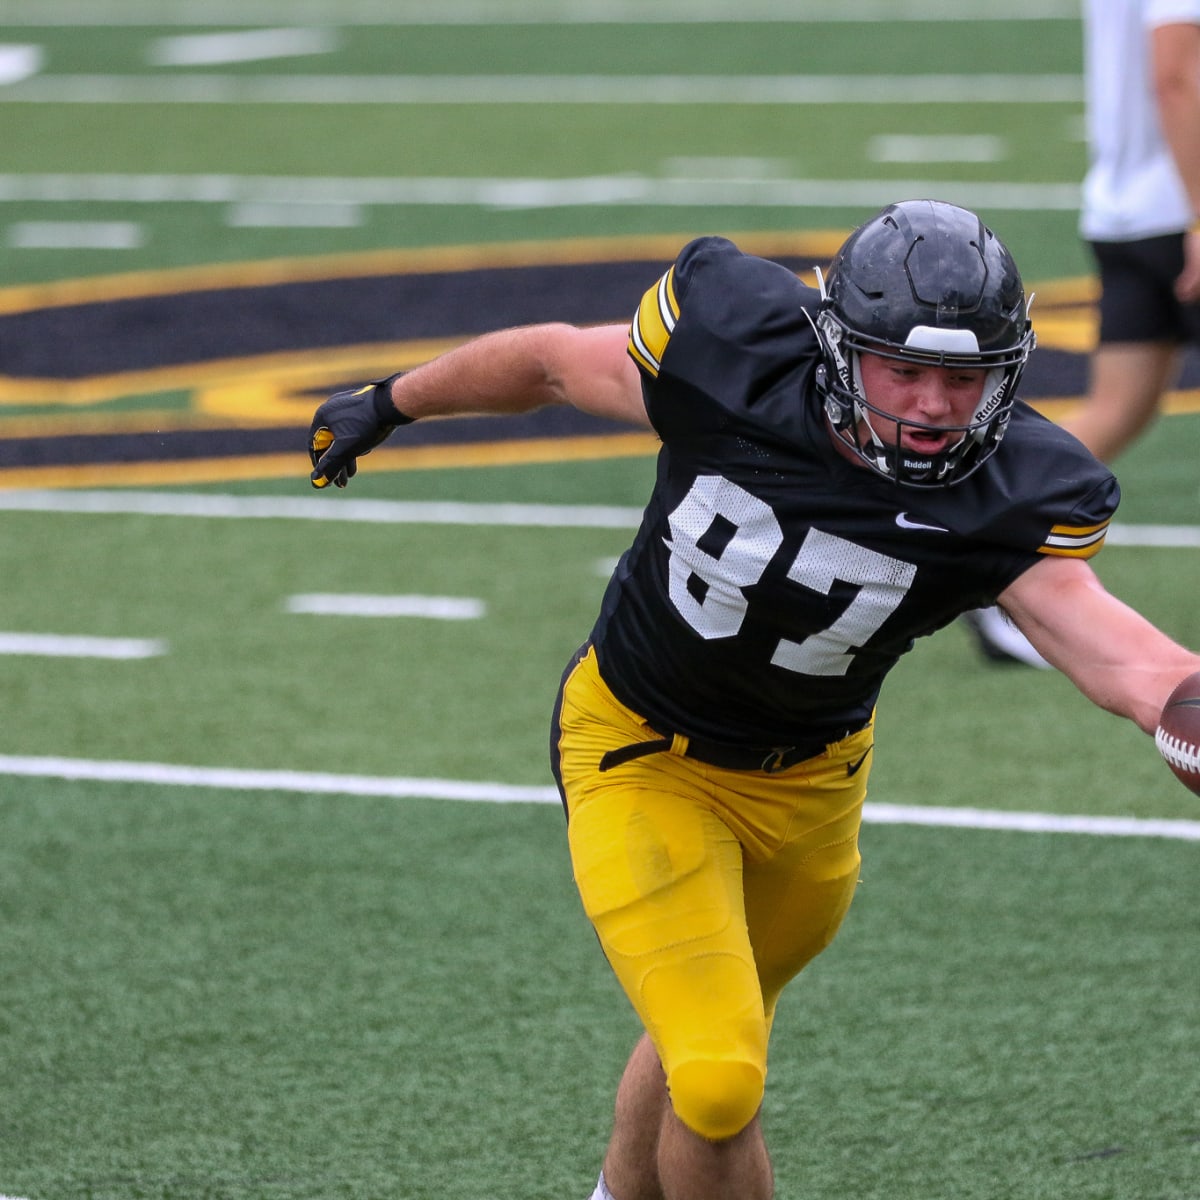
{"x":928,"y":283}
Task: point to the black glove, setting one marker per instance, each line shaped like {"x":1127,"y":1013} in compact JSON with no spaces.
{"x":348,"y":425}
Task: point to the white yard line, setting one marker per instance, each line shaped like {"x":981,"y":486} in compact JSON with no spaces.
{"x":433,"y":608}
{"x":528,"y":193}
{"x":55,"y":645}
{"x":208,"y":88}
{"x":171,"y":775}
{"x":19,"y":62}
{"x":954,"y":148}
{"x":1174,"y":537}
{"x":1030,"y":822}
{"x":252,"y":45}
{"x":339,"y":215}
{"x":320,"y":783}
{"x":76,"y":235}
{"x":322,"y":508}
{"x":87,"y":13}
{"x":422,"y":512}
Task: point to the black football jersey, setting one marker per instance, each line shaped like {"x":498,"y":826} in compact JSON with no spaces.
{"x":774,"y":583}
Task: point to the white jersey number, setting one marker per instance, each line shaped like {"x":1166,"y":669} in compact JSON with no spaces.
{"x":722,"y":539}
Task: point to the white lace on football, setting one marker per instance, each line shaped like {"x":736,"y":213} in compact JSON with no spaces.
{"x":1177,"y":752}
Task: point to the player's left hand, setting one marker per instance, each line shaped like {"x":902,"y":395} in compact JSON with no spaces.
{"x":348,"y":425}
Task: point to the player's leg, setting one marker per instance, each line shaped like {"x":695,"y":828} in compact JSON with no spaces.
{"x":1127,"y":383}
{"x":631,"y":1162}
{"x":734,"y":1168}
{"x":652,"y":1155}
{"x":660,"y":880}
{"x":799,"y":835}
{"x":659,"y":875}
{"x":797,"y":896}
{"x":1137,"y":354}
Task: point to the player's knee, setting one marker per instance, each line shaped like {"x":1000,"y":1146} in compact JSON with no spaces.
{"x":716,"y":1098}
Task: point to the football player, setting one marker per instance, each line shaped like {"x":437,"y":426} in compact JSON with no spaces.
{"x":842,"y":471}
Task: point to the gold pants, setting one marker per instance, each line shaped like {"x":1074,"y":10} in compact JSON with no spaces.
{"x":709,"y":889}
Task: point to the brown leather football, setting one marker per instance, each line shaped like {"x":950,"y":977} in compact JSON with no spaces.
{"x":1178,"y":733}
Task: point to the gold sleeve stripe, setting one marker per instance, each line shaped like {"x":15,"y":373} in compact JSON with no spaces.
{"x":1075,"y":541}
{"x":653,"y":323}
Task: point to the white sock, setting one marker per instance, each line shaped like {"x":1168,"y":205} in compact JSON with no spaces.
{"x":601,"y":1192}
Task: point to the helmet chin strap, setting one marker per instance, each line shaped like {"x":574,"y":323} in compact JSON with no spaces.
{"x":881,"y":447}
{"x":862,"y":416}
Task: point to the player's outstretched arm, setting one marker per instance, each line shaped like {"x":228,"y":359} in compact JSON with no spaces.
{"x":1113,"y":654}
{"x":510,"y":371}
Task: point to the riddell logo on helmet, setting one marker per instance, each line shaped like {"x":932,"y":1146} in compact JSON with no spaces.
{"x":990,"y":405}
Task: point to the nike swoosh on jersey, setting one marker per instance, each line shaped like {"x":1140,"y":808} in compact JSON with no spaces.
{"x":903,"y":520}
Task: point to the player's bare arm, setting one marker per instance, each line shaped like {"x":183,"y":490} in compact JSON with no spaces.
{"x":510,"y":371}
{"x":518,"y":370}
{"x":1110,"y":652}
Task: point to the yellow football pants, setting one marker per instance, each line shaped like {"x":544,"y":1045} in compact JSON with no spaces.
{"x":709,"y":889}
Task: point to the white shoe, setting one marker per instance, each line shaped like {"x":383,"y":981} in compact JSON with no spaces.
{"x":601,"y":1192}
{"x":1000,"y":640}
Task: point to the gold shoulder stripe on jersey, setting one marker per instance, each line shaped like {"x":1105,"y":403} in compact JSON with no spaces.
{"x":653,"y":323}
{"x":1075,"y":541}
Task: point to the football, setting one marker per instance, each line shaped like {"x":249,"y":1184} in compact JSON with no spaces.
{"x":1178,"y":734}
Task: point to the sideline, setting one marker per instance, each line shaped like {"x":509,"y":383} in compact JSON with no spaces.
{"x":317,"y":783}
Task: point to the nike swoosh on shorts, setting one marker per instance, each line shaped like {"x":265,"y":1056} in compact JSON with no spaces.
{"x":853,"y":768}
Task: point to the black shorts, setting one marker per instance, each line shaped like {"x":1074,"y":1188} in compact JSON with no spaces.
{"x":1137,"y":297}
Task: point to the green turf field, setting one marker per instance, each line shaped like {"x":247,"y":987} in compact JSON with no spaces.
{"x":107,"y":113}
{"x":237,"y":991}
{"x":215,"y":995}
